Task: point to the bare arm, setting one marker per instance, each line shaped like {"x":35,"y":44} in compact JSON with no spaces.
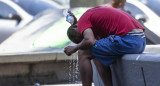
{"x":88,"y":41}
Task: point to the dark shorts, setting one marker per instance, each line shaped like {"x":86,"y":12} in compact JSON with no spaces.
{"x":107,"y":50}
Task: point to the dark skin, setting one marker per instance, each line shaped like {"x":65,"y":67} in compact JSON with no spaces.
{"x":84,"y":57}
{"x":75,"y":19}
{"x":88,"y":41}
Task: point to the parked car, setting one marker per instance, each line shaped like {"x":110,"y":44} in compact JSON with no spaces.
{"x":15,"y":14}
{"x":34,"y":7}
{"x":46,"y":32}
{"x":147,"y":13}
{"x":12,"y":17}
{"x":153,"y":5}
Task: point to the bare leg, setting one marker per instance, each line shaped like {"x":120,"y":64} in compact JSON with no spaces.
{"x":85,"y":67}
{"x":104,"y":72}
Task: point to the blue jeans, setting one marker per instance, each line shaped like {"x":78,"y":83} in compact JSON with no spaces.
{"x":107,"y":50}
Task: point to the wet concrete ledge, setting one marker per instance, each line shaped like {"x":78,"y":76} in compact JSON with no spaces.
{"x":23,"y":69}
{"x":32,"y":57}
{"x":51,"y":56}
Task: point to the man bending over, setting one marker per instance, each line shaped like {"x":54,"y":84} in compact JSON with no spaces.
{"x":104,"y":34}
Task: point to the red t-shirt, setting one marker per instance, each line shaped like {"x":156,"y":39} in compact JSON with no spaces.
{"x":105,"y":21}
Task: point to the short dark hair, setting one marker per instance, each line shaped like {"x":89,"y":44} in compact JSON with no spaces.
{"x":73,"y":35}
{"x":119,"y":1}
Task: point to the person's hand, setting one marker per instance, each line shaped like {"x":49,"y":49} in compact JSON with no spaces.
{"x":70,"y":13}
{"x":69,"y":50}
{"x":75,"y":19}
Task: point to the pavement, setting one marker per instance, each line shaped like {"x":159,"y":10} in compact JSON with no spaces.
{"x":65,"y":85}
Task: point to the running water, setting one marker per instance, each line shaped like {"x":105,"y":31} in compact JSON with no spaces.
{"x":72,"y":67}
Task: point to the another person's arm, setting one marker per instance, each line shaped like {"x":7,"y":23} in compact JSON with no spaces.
{"x":88,"y":41}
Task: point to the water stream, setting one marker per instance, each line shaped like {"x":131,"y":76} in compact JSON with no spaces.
{"x":72,"y":70}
